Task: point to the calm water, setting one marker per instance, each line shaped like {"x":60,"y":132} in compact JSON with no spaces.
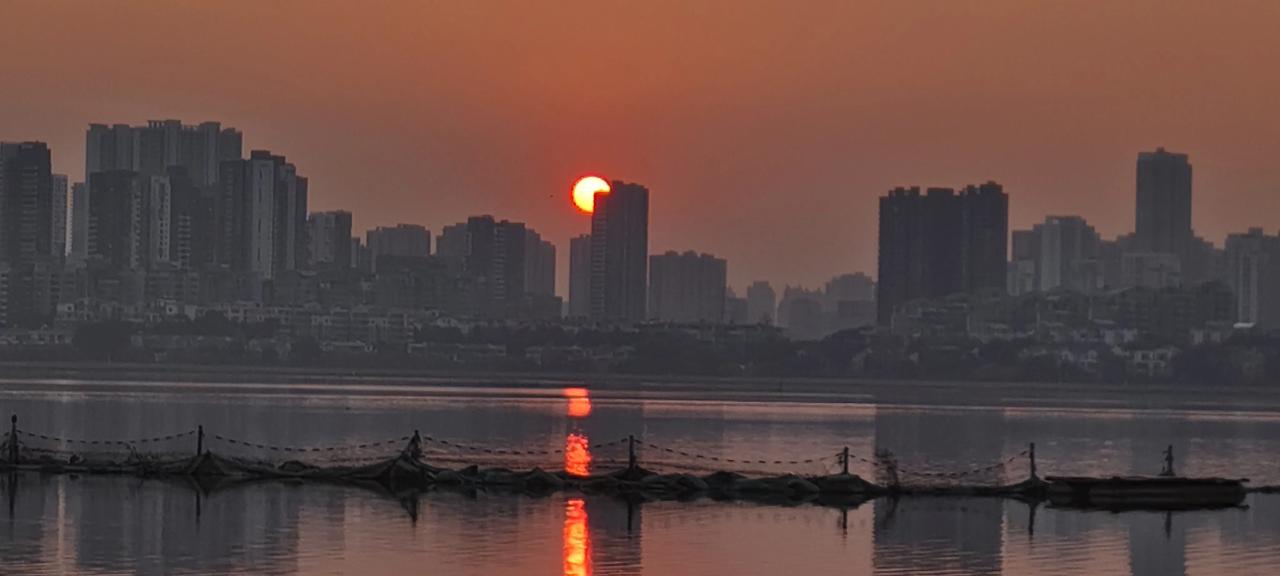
{"x":65,"y":524}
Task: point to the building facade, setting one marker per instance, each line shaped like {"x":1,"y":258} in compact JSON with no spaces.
{"x":619,"y":253}
{"x":687,"y":287}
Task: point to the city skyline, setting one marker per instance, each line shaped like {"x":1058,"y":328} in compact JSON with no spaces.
{"x":418,"y":133}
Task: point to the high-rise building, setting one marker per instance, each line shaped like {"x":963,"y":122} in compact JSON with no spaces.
{"x":401,"y":240}
{"x":263,"y":215}
{"x":762,"y":303}
{"x":79,"y":223}
{"x":28,"y":252}
{"x":1163,"y":217}
{"x":580,"y":276}
{"x":1060,"y":253}
{"x":115,"y":231}
{"x":26,"y":202}
{"x":330,"y":239}
{"x":153,"y":148}
{"x":939,"y":243}
{"x":539,"y":264}
{"x":512,"y":268}
{"x":849,"y":302}
{"x":58,"y":194}
{"x":984,"y":212}
{"x":453,"y":242}
{"x":619,"y":253}
{"x":687,"y":287}
{"x":1253,"y":274}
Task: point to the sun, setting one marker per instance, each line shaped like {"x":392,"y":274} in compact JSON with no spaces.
{"x":584,"y":192}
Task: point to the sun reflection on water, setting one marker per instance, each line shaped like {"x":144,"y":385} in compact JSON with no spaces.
{"x":577,"y":539}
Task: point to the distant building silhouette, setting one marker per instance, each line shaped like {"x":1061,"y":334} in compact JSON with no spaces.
{"x":115,"y":231}
{"x":762,"y":303}
{"x":264,"y":215}
{"x":1253,"y":273}
{"x":800,"y":312}
{"x":160,"y":144}
{"x":735,"y":308}
{"x":580,"y":276}
{"x":940,"y":243}
{"x":687,"y":287}
{"x":539,"y":264}
{"x":984,"y":212}
{"x":30,"y":257}
{"x":1060,"y":253}
{"x":496,"y":255}
{"x":401,"y":240}
{"x":1163,"y":216}
{"x":79,"y":225}
{"x":329,"y":239}
{"x":619,"y":253}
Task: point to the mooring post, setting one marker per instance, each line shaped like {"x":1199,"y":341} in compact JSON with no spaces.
{"x":844,"y":461}
{"x":13,"y":439}
{"x":631,"y":452}
{"x":199,"y":439}
{"x":1031,"y":454}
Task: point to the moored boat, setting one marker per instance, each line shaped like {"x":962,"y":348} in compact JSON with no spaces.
{"x":1144,"y":492}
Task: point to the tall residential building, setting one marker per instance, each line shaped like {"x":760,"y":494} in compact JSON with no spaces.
{"x":115,"y":231}
{"x":984,"y":212}
{"x":1060,"y":253}
{"x":58,"y":192}
{"x":330,"y":239}
{"x":453,"y":243}
{"x":79,"y":223}
{"x":401,"y":240}
{"x":28,"y":253}
{"x":619,"y":253}
{"x":1253,"y":274}
{"x":153,"y":148}
{"x":580,"y":276}
{"x":687,"y":287}
{"x":1163,"y":217}
{"x":497,"y":256}
{"x":263,"y":215}
{"x":26,"y":202}
{"x":939,"y":243}
{"x":762,"y":303}
{"x":539,"y":264}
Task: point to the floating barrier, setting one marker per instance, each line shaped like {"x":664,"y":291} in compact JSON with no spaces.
{"x":628,"y":467}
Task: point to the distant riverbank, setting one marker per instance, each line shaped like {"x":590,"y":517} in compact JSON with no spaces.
{"x":898,"y":390}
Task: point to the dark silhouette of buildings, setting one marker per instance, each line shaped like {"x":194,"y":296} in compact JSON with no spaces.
{"x":29,"y":259}
{"x":160,"y":144}
{"x":401,"y":240}
{"x":619,"y":253}
{"x":503,"y":258}
{"x":580,"y":276}
{"x":762,"y":303}
{"x":940,"y":243}
{"x":330,"y":239}
{"x":687,"y":287}
{"x":263,"y":215}
{"x":1163,"y":217}
{"x":115,"y":227}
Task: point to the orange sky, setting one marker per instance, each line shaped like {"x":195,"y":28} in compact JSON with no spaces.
{"x":765,"y":130}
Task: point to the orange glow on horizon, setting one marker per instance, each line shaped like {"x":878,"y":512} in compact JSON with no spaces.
{"x":577,"y":539}
{"x":579,"y":402}
{"x":584,"y":192}
{"x":577,"y":454}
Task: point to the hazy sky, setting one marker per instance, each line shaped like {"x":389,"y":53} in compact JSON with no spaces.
{"x":764,"y":130}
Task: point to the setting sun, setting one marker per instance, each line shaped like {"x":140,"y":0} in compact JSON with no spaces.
{"x":584,"y":192}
